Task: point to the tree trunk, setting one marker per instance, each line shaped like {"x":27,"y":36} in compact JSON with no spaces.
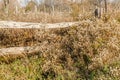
{"x":100,"y":5}
{"x":105,"y":6}
{"x":6,"y":5}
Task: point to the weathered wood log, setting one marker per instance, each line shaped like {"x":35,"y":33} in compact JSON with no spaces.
{"x":19,"y":50}
{"x":33,"y":49}
{"x":11,"y":24}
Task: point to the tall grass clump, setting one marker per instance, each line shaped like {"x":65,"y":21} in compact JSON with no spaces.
{"x":16,"y":37}
{"x":75,"y":11}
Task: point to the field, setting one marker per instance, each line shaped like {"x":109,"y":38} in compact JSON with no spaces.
{"x":60,"y":40}
{"x":88,"y":51}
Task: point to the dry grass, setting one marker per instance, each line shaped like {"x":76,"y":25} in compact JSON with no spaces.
{"x":88,"y":51}
{"x":42,"y":17}
{"x":16,"y":37}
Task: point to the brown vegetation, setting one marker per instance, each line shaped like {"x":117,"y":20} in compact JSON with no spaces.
{"x":58,"y":11}
{"x":78,"y":51}
{"x":88,"y":51}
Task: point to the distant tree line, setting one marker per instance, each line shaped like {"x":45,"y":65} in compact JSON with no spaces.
{"x":70,"y":6}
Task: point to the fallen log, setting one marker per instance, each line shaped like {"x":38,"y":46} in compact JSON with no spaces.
{"x":27,"y":25}
{"x":19,"y":50}
{"x":11,"y":24}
